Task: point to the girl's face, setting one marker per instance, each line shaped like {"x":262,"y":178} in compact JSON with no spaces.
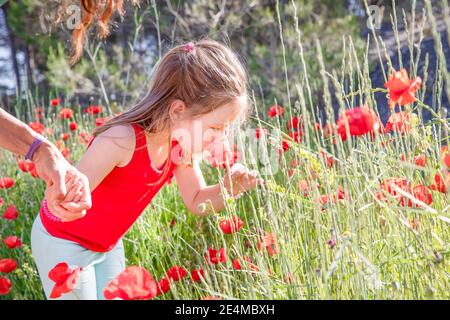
{"x":196,"y":134}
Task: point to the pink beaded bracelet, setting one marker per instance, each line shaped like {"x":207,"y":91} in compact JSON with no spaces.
{"x":48,"y":213}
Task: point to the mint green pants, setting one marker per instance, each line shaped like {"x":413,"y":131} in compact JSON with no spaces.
{"x":99,"y":268}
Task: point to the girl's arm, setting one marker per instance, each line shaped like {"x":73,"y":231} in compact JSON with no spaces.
{"x":114,"y":147}
{"x":194,"y":191}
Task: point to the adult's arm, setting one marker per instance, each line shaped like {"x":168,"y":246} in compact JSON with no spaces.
{"x":15,"y":135}
{"x":51,"y":167}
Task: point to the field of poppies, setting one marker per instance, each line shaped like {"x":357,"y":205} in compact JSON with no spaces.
{"x":351,"y":208}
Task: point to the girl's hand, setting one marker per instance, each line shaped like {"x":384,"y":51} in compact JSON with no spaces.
{"x":240,"y":179}
{"x":74,"y":190}
{"x":64,"y":209}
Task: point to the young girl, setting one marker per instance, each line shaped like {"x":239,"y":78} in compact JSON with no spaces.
{"x":196,"y":92}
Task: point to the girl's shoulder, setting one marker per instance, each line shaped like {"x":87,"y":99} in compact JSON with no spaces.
{"x":122,"y":138}
{"x":123,"y":133}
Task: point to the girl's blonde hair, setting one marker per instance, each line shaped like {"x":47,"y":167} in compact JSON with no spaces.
{"x":204,"y":75}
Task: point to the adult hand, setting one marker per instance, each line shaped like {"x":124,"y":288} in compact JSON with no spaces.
{"x":51,"y":166}
{"x":68,"y":195}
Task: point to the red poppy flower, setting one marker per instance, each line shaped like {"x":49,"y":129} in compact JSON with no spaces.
{"x":360,"y":121}
{"x":398,"y":122}
{"x":296,"y":163}
{"x":73,"y":126}
{"x":7,"y":265}
{"x":329,"y":130}
{"x":247,"y":262}
{"x":176,"y":273}
{"x":163,"y":286}
{"x":55,"y":102}
{"x":341,"y":193}
{"x":260,"y":132}
{"x":6,"y":183}
{"x":304,"y":187}
{"x":133,"y":283}
{"x":294,"y":124}
{"x":232,"y":225}
{"x":99,"y":122}
{"x":236,"y":264}
{"x":65,"y":152}
{"x":327,"y":158}
{"x":323,"y":200}
{"x":197,"y":274}
{"x":37,"y":127}
{"x":85,"y":137}
{"x":275,"y":110}
{"x":12,"y":242}
{"x":28,"y":166}
{"x":268,"y":241}
{"x":215,"y":257}
{"x":65,"y":136}
{"x":296,"y":135}
{"x":5,"y":285}
{"x":317,"y":126}
{"x":93,"y":110}
{"x":441,"y":182}
{"x":285,"y":145}
{"x":421,"y":193}
{"x":293,"y":136}
{"x":402,"y":90}
{"x":389,"y":185}
{"x":66,"y":113}
{"x":10,"y":213}
{"x":445,"y":156}
{"x":65,"y":279}
{"x":420,"y":160}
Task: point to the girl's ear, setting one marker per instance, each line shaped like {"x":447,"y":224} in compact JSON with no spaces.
{"x":177,"y":110}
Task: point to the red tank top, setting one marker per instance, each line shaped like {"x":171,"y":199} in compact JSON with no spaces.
{"x":117,"y":201}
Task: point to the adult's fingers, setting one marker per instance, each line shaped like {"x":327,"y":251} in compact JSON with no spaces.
{"x":73,"y":191}
{"x":57,"y":180}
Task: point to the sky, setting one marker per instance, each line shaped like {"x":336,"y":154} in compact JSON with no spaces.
{"x":7,"y":76}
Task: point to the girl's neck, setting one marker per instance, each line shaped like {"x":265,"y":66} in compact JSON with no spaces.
{"x":157,"y":145}
{"x":157,"y":139}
